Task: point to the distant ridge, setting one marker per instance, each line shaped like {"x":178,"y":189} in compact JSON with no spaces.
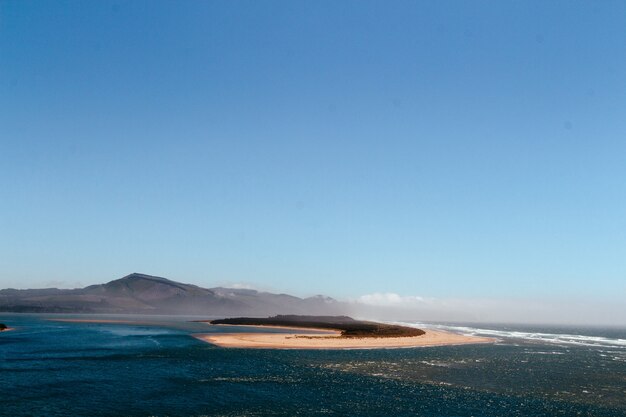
{"x":139,"y":293}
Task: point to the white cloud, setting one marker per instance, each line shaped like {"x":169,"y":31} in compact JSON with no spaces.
{"x":241,"y":286}
{"x":390,"y":299}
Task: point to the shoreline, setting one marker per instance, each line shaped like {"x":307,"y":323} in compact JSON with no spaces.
{"x":311,"y":338}
{"x":262,"y":340}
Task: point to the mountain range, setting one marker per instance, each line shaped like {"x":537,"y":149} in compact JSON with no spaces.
{"x":146,"y":294}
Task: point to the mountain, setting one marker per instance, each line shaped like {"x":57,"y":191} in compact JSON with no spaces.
{"x":146,"y":294}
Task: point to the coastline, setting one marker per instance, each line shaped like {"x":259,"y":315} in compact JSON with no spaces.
{"x":297,"y":340}
{"x":311,"y":338}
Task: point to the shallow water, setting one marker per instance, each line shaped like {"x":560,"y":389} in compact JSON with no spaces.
{"x":157,"y":369}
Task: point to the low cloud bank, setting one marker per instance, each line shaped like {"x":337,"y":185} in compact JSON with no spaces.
{"x":389,"y":299}
{"x":392,"y":306}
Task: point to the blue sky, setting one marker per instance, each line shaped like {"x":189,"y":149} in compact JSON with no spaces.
{"x":441,"y":149}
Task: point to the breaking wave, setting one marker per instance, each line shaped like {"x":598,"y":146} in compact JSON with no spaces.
{"x":561,"y":339}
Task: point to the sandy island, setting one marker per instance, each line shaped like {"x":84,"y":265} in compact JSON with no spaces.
{"x":309,"y":338}
{"x":332,"y":339}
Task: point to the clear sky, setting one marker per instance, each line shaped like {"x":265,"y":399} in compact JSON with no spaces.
{"x":425,"y":148}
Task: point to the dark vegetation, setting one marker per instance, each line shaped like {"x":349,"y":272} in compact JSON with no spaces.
{"x":348,"y":326}
{"x":3,"y":327}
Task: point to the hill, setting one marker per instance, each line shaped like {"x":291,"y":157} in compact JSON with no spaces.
{"x":146,"y":294}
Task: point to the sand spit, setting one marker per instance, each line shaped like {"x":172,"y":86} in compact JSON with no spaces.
{"x":335,"y":341}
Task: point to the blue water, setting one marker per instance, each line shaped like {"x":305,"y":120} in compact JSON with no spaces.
{"x":50,"y":368}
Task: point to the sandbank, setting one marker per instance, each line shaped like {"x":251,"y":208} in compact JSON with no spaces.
{"x":335,"y":340}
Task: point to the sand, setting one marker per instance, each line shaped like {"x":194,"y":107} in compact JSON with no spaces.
{"x":335,"y":341}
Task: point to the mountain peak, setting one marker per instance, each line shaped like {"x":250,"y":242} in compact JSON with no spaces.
{"x":139,"y":281}
{"x":139,"y":275}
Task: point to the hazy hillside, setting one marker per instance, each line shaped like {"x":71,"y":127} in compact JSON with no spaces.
{"x":146,"y":294}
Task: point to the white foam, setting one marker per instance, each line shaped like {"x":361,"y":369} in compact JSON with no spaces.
{"x":551,"y":338}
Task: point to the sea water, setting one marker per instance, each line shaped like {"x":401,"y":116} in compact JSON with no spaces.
{"x":157,"y":368}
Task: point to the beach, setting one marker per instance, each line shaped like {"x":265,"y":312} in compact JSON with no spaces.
{"x":332,"y":339}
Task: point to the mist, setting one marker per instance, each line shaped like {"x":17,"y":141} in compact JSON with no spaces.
{"x":573,"y":311}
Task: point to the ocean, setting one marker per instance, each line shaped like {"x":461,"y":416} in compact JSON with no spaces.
{"x":157,"y":368}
